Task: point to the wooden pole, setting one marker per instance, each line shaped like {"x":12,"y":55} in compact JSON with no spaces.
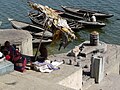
{"x":45,"y":27}
{"x":39,"y":45}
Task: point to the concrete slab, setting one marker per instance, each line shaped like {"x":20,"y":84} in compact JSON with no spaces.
{"x":111,"y":82}
{"x":112,"y":61}
{"x":2,"y":86}
{"x":68,"y":74}
{"x":23,"y":81}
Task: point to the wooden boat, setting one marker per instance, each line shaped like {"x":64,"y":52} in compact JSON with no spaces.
{"x":67,"y":15}
{"x":37,"y":41}
{"x":88,"y":24}
{"x":0,"y":23}
{"x":39,"y":20}
{"x":47,"y":35}
{"x":34,"y":30}
{"x":75,"y":25}
{"x":71,"y":16}
{"x":82,"y":12}
{"x":25,"y":26}
{"x":74,"y":20}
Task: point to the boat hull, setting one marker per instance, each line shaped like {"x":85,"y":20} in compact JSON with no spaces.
{"x":92,"y":24}
{"x":35,"y":31}
{"x":82,"y":12}
{"x":74,"y":27}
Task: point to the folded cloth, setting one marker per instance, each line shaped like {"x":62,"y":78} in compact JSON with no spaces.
{"x":37,"y":63}
{"x":55,"y":63}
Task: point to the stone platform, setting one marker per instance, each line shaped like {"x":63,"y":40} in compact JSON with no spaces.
{"x":67,"y":78}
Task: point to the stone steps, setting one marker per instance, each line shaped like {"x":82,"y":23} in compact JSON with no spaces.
{"x":88,"y":83}
{"x":21,"y":81}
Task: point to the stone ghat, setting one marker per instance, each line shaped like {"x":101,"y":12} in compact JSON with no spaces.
{"x":111,"y":55}
{"x":69,"y":77}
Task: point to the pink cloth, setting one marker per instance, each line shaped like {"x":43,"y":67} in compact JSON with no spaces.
{"x":7,"y":57}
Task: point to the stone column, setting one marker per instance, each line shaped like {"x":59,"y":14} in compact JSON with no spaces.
{"x":97,"y":67}
{"x":94,"y":38}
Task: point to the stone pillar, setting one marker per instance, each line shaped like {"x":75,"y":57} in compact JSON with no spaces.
{"x":97,"y":67}
{"x":92,"y":67}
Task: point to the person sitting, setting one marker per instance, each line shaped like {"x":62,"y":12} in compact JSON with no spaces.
{"x":19,"y":62}
{"x":86,"y":16}
{"x":43,"y":53}
{"x":75,"y":52}
{"x":2,"y":58}
{"x":93,"y":18}
{"x":5,"y":52}
{"x":9,"y":49}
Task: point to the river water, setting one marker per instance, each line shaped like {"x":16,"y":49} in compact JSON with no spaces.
{"x":18,"y":9}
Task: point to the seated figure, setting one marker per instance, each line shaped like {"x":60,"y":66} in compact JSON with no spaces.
{"x":43,"y":53}
{"x":2,"y":58}
{"x":93,"y":18}
{"x":76,"y":52}
{"x":9,"y":50}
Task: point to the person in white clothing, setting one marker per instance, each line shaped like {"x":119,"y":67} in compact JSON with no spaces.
{"x":93,"y":18}
{"x":2,"y":58}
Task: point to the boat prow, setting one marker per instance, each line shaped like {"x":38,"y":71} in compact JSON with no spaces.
{"x":10,"y":19}
{"x":25,"y":26}
{"x":35,"y":31}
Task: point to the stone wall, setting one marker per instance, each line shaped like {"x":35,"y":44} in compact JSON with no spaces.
{"x":21,"y":38}
{"x":73,"y":81}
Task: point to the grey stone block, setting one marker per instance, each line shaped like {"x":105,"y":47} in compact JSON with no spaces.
{"x":21,"y":38}
{"x":6,"y":67}
{"x":97,"y":68}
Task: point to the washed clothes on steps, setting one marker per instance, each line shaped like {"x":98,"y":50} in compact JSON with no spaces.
{"x":46,"y":66}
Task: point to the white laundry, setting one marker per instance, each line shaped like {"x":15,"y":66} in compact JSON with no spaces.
{"x":46,"y":67}
{"x":63,"y":23}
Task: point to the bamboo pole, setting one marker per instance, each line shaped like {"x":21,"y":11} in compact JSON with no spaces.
{"x":45,"y":27}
